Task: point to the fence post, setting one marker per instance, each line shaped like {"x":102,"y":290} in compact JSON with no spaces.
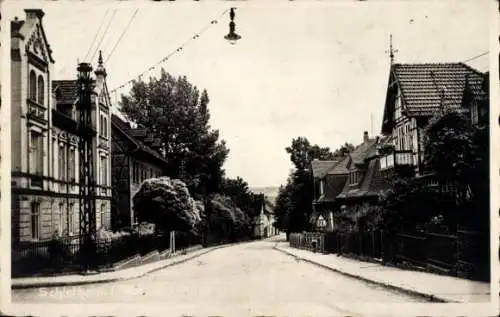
{"x":172,"y":241}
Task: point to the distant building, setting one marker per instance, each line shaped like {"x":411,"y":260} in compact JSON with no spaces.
{"x":45,"y":191}
{"x":135,"y":157}
{"x":265,"y":221}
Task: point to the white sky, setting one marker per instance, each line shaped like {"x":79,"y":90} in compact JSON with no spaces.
{"x":313,"y":69}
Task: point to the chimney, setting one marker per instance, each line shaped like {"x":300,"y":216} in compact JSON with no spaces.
{"x":365,"y":136}
{"x":34,"y":14}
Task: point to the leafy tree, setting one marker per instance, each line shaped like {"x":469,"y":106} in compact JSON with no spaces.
{"x":173,"y":110}
{"x":343,"y":150}
{"x":294,"y":201}
{"x":458,"y":153}
{"x":226,"y":220}
{"x":167,"y":203}
{"x":238,"y":190}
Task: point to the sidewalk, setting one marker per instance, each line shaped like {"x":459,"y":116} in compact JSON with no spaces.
{"x":434,"y":287}
{"x":104,"y":277}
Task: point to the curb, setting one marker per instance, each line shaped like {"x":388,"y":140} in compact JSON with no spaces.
{"x":116,"y":279}
{"x":429,"y":297}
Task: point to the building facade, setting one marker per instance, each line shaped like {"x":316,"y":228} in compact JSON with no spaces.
{"x":415,"y":93}
{"x":45,"y":191}
{"x":265,"y":221}
{"x":135,"y":158}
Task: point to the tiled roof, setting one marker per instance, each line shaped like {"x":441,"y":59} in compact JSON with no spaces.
{"x":361,"y":152}
{"x":423,"y":85}
{"x":125,"y":128}
{"x":341,"y":167}
{"x":334,"y":185}
{"x":65,"y":90}
{"x":320,"y":168}
{"x":372,"y":181}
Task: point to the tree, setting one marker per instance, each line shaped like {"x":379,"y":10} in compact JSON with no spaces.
{"x":294,"y":201}
{"x":238,"y":190}
{"x":167,"y":203}
{"x":226,"y":220}
{"x":458,"y":153}
{"x":174,"y":111}
{"x":344,"y":150}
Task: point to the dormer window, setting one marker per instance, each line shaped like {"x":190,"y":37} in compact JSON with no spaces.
{"x":354,"y":177}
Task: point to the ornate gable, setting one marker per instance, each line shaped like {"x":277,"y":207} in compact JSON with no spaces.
{"x":37,"y":45}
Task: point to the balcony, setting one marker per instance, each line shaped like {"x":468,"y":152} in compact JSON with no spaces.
{"x":64,"y":121}
{"x":397,"y":158}
{"x":36,"y":112}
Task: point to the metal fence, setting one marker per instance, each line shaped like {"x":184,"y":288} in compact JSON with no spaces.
{"x":464,"y":253}
{"x":63,"y":254}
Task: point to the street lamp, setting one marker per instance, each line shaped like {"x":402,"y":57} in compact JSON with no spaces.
{"x":232,"y":37}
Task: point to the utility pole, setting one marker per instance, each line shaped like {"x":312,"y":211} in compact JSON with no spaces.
{"x":87,"y":199}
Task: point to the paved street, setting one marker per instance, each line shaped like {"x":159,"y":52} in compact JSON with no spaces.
{"x":249,"y":274}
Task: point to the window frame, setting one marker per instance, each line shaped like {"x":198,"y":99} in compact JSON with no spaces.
{"x":69,"y":219}
{"x":40,"y":93}
{"x":62,"y":164}
{"x":36,"y":153}
{"x":32,"y":86}
{"x":35,"y":226}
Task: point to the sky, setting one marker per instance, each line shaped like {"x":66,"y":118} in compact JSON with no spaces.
{"x":310,"y":68}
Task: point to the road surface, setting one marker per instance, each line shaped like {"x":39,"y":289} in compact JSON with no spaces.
{"x":248,"y":275}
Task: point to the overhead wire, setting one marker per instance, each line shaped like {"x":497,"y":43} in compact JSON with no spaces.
{"x":121,"y":36}
{"x":475,"y":57}
{"x":103,"y":35}
{"x":167,"y":57}
{"x":96,"y":34}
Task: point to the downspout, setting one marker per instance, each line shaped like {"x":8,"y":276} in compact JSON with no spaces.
{"x":418,"y":150}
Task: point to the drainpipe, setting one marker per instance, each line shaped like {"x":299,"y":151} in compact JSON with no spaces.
{"x":418,"y":150}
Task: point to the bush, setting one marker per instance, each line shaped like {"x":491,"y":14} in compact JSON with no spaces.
{"x":167,"y":203}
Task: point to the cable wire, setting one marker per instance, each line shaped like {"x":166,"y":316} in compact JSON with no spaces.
{"x":96,"y":34}
{"x":180,"y":48}
{"x":121,"y":36}
{"x":105,"y":31}
{"x":475,"y":57}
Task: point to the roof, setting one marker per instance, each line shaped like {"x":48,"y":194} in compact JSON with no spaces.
{"x":362,"y":151}
{"x":423,"y":85}
{"x":334,"y":185}
{"x":65,"y":90}
{"x":320,"y":168}
{"x":372,"y":181}
{"x":125,"y":129}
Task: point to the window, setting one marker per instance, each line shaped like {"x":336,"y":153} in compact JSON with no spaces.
{"x":71,"y":165}
{"x":41,"y":89}
{"x":100,"y":124}
{"x":102,"y":215}
{"x":36,"y":153}
{"x":35,"y":220}
{"x":60,"y":220}
{"x":321,"y":187}
{"x":62,"y":162}
{"x":53,"y":158}
{"x":104,"y":170}
{"x":32,"y":86}
{"x":69,"y":219}
{"x":105,"y":127}
{"x":353,"y":178}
